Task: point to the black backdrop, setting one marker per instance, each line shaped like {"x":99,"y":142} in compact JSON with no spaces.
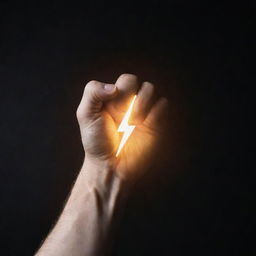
{"x":199,"y":56}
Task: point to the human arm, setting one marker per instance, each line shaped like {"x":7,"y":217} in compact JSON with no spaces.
{"x":85,"y":223}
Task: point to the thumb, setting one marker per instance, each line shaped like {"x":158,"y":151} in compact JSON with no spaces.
{"x":95,"y":94}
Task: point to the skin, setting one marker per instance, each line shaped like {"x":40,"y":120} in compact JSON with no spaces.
{"x":84,"y":226}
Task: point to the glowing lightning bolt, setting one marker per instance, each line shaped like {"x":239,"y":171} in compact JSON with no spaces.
{"x":125,"y":127}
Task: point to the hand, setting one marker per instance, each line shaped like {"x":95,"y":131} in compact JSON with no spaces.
{"x":102,"y":109}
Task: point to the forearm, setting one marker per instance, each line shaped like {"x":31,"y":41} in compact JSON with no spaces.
{"x":86,"y":219}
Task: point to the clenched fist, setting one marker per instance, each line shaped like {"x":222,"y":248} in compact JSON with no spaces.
{"x":101,"y":111}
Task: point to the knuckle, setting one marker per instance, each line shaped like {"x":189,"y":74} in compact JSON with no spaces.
{"x":91,"y":84}
{"x":129,"y":77}
{"x":92,"y":88}
{"x":148,"y":85}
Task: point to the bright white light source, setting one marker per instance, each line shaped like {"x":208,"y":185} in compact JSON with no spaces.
{"x":125,"y":127}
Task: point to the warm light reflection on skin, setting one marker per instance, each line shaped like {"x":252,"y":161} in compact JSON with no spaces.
{"x":125,"y":128}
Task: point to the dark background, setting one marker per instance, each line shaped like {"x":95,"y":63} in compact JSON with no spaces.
{"x":199,"y":56}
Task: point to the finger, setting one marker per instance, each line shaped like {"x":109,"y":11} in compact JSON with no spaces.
{"x":157,"y":115}
{"x":143,"y":102}
{"x":95,"y":94}
{"x":127,"y":86}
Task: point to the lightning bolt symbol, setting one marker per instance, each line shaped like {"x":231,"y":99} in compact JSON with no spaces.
{"x":125,"y":127}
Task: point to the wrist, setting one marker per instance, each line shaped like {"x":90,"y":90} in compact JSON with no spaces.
{"x":97,"y":179}
{"x":99,"y":174}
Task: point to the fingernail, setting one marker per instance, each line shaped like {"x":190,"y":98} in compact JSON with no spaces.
{"x":109,"y":87}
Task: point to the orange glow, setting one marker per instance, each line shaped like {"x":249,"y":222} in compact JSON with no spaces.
{"x":125,"y":127}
